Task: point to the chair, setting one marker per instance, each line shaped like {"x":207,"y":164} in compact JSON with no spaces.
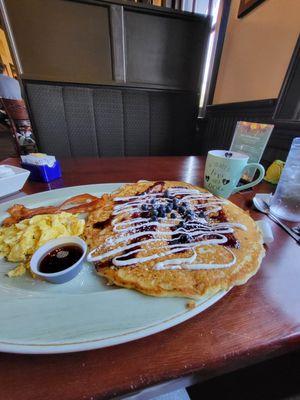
{"x":20,"y":125}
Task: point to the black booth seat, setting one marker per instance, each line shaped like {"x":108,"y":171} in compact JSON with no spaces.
{"x":73,"y":120}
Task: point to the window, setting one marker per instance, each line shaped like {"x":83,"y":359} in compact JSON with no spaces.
{"x":214,"y":9}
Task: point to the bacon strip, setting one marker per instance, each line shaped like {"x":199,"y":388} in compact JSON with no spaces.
{"x":77,"y":204}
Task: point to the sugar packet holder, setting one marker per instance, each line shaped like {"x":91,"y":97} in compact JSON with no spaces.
{"x":42,"y":167}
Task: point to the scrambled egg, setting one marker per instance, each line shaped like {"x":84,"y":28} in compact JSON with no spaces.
{"x":19,"y":241}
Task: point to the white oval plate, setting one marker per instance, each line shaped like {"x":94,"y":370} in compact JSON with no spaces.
{"x":38,"y":317}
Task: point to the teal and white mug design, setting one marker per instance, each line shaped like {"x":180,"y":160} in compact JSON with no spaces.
{"x":224,"y":169}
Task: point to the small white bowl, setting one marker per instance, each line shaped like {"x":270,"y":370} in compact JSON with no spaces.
{"x":68,"y":273}
{"x":12,"y":183}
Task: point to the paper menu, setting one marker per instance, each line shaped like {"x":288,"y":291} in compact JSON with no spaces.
{"x":251,"y":138}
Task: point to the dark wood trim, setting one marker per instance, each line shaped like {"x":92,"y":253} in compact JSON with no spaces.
{"x":135,"y":85}
{"x":219,"y":49}
{"x":242,"y":106}
{"x":116,"y":21}
{"x":288,"y":79}
{"x":117,"y":85}
{"x":245,"y":8}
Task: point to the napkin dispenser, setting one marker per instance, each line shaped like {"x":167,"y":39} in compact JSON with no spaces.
{"x":43,"y":168}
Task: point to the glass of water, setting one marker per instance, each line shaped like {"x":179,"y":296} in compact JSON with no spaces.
{"x":285,"y":203}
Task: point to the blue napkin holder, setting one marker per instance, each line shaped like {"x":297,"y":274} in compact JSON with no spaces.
{"x":43,"y":173}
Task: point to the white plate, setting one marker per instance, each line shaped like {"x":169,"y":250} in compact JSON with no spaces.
{"x":39,"y":317}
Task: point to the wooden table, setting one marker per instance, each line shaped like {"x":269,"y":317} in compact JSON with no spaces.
{"x":253,"y":322}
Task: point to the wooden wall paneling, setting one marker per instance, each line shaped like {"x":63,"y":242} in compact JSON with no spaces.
{"x":137,"y":115}
{"x":83,"y":41}
{"x":111,"y":120}
{"x":61,"y":40}
{"x":199,"y":137}
{"x":117,"y":45}
{"x":116,"y":14}
{"x":220,"y":123}
{"x":280,"y":141}
{"x":164,"y":51}
{"x":51,"y":120}
{"x":184,"y":122}
{"x":288,"y":105}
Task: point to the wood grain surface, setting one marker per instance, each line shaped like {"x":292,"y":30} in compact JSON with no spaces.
{"x":253,"y":322}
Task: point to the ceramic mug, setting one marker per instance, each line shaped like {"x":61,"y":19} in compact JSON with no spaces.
{"x":224,"y":169}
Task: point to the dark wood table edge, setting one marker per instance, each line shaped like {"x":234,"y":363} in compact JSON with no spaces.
{"x":196,"y":375}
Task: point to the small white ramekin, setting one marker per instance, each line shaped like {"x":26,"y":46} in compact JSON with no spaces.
{"x":68,"y":273}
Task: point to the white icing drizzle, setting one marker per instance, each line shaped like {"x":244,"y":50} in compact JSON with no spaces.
{"x":122,"y":252}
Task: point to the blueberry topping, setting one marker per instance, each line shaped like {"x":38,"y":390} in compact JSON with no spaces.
{"x":166,"y":193}
{"x":184,"y":204}
{"x":144,"y":207}
{"x":153,"y":218}
{"x":154,"y":213}
{"x":201,"y":214}
{"x":152,"y":201}
{"x":161,"y":211}
{"x":181,"y":210}
{"x":173,"y":215}
{"x":184,"y":238}
{"x":190,"y":217}
{"x":175,"y":203}
{"x":169,"y":208}
{"x":189,"y":214}
{"x":181,"y":224}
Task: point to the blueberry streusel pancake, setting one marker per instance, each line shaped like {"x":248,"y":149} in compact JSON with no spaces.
{"x":172,"y":239}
